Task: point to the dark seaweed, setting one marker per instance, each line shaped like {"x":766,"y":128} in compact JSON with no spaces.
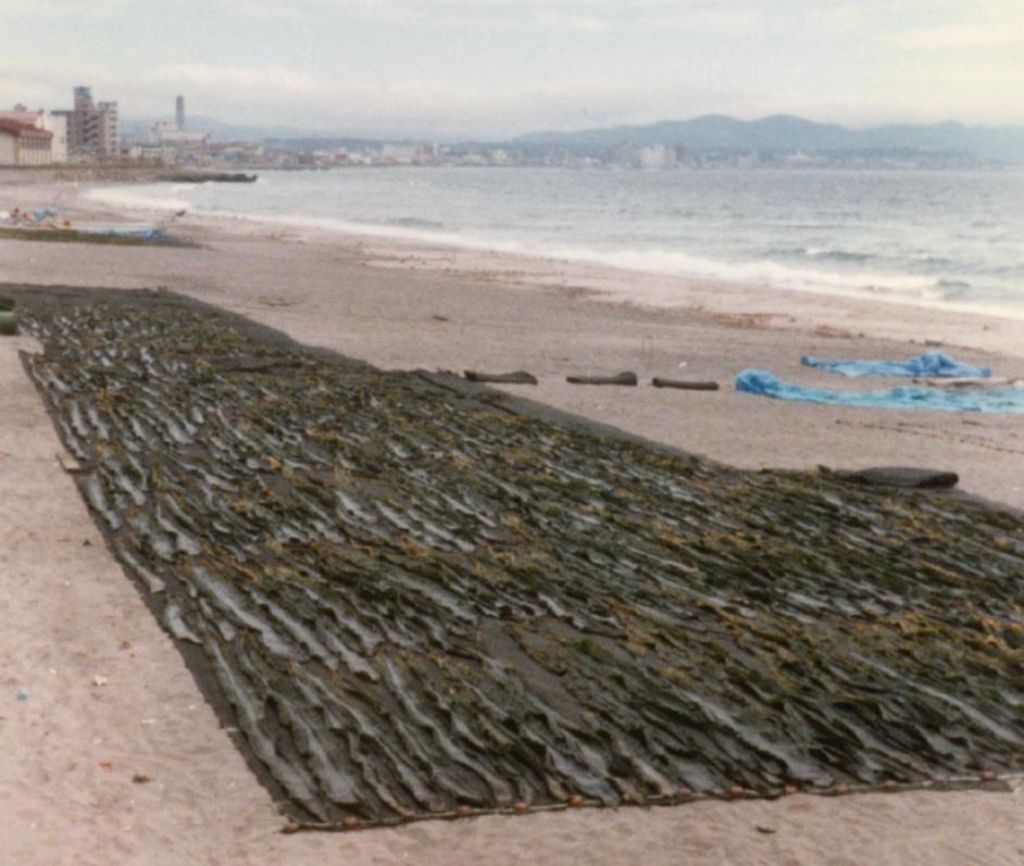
{"x":415,"y":600}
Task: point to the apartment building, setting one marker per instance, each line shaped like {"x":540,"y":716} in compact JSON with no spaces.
{"x":92,"y":127}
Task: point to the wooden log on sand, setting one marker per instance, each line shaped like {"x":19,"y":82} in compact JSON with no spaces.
{"x":895,"y":476}
{"x":683,"y":384}
{"x":8,"y":320}
{"x":518,"y":377}
{"x":625,"y":378}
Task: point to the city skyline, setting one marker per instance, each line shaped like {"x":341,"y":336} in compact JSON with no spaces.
{"x":496,"y":68}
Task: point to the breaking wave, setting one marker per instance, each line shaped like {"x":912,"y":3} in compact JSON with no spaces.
{"x":723,"y":234}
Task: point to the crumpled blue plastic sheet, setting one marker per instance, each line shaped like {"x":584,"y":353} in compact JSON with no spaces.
{"x":131,"y":233}
{"x":1008,"y":399}
{"x":145,"y":234}
{"x":927,"y":364}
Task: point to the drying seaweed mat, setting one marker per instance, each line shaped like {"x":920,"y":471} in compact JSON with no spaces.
{"x":415,"y":599}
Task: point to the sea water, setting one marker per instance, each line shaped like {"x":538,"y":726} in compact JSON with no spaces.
{"x":940,"y":238}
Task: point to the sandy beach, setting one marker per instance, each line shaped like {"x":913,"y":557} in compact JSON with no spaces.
{"x":114,"y":757}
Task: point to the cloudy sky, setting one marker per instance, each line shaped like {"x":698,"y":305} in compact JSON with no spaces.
{"x":491,"y":68}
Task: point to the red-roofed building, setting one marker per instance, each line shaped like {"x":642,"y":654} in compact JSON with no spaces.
{"x":22,"y":144}
{"x":41,"y":119}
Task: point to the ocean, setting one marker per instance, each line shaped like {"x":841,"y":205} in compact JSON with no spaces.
{"x":938,"y":238}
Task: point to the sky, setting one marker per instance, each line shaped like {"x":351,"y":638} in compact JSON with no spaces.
{"x":497,"y":68}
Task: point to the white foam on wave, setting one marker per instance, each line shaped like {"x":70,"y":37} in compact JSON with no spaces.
{"x":764,"y":271}
{"x":148,"y":198}
{"x":889,"y":287}
{"x":652,"y":261}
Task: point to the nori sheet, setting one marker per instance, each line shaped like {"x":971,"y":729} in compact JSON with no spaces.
{"x":418,"y":599}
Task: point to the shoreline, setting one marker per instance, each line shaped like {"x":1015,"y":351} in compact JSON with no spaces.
{"x":406,"y":306}
{"x":595,"y":270}
{"x":954,"y":325}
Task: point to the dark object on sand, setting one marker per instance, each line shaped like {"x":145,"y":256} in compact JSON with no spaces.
{"x":895,"y":476}
{"x":407,"y":599}
{"x":8,"y":320}
{"x":209,"y":177}
{"x":519,"y":377}
{"x":683,"y":384}
{"x":625,"y":378}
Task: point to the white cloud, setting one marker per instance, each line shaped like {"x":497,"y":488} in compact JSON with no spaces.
{"x":265,"y":85}
{"x":572,"y":16}
{"x":277,"y":96}
{"x":498,"y":67}
{"x":957,"y":36}
{"x":56,"y":8}
{"x":281,"y":96}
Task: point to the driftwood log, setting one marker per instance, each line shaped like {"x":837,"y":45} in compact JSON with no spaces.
{"x":8,"y":320}
{"x":624,"y":378}
{"x":518,"y":377}
{"x":683,"y":384}
{"x":895,"y":476}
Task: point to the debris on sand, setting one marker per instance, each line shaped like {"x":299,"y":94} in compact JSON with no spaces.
{"x":684,"y":384}
{"x":8,"y":318}
{"x":896,"y":476}
{"x":624,"y":378}
{"x":518,"y":377}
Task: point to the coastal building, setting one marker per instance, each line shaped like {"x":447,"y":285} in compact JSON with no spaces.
{"x":400,"y":154}
{"x":404,"y":153}
{"x":650,"y":157}
{"x":171,"y":135}
{"x":43,"y":120}
{"x":172,"y":142}
{"x":92,"y":128}
{"x":656,"y":156}
{"x":24,"y":145}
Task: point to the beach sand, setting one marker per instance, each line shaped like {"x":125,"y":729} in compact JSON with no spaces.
{"x":72,"y":746}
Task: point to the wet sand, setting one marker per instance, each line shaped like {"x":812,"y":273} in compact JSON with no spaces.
{"x":73,"y":747}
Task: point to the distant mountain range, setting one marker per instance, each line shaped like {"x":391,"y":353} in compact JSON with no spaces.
{"x":777,"y":133}
{"x":788,"y":133}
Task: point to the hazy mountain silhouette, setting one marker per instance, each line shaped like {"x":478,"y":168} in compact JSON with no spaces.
{"x":782,"y":132}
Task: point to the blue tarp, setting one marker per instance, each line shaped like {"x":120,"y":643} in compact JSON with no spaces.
{"x":927,"y":364}
{"x":1007,"y":399}
{"x":41,"y":213}
{"x":113,"y":231}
